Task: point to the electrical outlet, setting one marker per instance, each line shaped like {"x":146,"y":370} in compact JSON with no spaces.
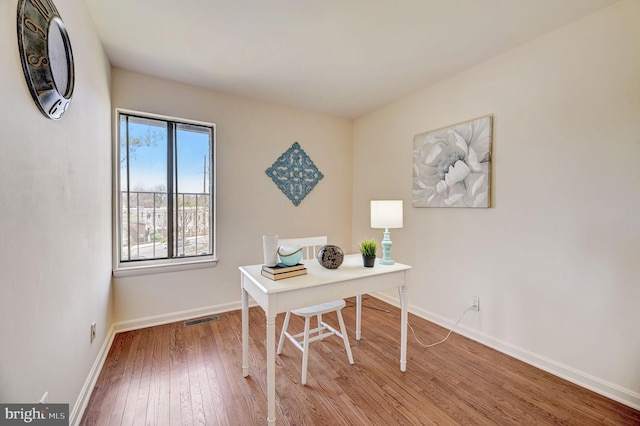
{"x":93,"y":332}
{"x":475,"y":303}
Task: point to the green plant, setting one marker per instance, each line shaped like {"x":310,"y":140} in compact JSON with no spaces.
{"x":368,"y":247}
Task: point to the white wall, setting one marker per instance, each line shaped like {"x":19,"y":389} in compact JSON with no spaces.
{"x":555,"y":260}
{"x":55,"y":221}
{"x":250,"y":137}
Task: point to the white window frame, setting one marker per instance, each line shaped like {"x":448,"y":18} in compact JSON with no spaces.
{"x":155,"y":266}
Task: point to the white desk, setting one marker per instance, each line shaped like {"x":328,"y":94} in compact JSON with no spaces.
{"x":318,"y":286}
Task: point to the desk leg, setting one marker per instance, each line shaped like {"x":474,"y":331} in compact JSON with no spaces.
{"x":402,"y":290}
{"x":271,"y":368}
{"x":245,"y":332}
{"x":358,"y":315}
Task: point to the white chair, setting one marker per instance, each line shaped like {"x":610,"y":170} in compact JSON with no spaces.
{"x":309,"y":250}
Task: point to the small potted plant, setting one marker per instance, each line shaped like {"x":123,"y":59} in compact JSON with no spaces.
{"x":368,"y":249}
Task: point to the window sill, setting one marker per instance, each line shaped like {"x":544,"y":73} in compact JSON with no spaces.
{"x":161,"y":268}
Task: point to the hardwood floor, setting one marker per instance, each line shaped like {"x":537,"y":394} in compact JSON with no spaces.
{"x":177,"y":375}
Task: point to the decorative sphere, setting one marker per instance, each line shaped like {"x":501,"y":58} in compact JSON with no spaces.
{"x":330,"y":256}
{"x":290,"y":255}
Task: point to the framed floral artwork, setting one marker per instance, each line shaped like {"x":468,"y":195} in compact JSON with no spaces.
{"x":451,"y":166}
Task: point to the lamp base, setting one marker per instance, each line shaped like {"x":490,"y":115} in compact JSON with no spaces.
{"x":386,"y":249}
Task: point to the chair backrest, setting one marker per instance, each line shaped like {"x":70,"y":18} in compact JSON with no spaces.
{"x":309,"y":245}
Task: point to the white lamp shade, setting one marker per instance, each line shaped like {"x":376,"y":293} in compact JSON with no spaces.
{"x":386,"y":213}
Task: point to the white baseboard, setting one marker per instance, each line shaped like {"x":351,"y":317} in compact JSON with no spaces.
{"x":85,"y":393}
{"x":580,"y":378}
{"x":151,"y":321}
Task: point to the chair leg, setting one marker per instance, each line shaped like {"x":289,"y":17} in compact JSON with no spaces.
{"x":285,"y":325}
{"x":320,"y":328}
{"x":345,"y":338}
{"x":305,"y":350}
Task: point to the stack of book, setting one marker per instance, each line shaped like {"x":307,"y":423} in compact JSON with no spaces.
{"x":281,"y":271}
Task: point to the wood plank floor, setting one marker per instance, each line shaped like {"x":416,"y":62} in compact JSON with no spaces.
{"x":177,"y":375}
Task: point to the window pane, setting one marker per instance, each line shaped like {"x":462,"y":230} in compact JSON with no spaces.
{"x":193,"y":190}
{"x":143,"y":177}
{"x":147,"y":155}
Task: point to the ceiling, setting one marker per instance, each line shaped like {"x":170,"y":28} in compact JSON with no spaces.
{"x":339,"y":57}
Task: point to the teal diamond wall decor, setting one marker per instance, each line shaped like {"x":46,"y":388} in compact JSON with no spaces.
{"x":294,"y":173}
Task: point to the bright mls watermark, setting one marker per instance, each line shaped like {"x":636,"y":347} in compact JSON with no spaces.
{"x":34,"y":414}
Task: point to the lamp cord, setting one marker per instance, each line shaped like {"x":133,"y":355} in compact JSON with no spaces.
{"x":413,"y":331}
{"x":443,"y":340}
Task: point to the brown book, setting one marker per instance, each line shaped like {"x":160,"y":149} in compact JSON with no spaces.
{"x":283,"y":275}
{"x":281,"y":268}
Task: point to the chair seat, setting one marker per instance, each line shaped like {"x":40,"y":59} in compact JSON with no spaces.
{"x":319,"y":309}
{"x":309,"y":335}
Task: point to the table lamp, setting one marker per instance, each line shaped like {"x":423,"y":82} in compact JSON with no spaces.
{"x":386,"y":214}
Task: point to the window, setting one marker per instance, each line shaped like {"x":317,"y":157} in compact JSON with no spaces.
{"x":165,"y":191}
